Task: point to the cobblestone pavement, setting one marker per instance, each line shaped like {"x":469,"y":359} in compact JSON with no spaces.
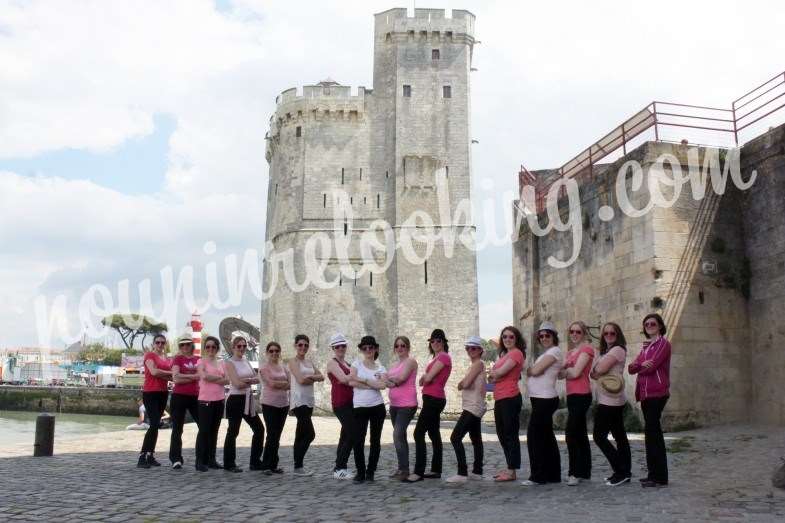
{"x":717,"y":474}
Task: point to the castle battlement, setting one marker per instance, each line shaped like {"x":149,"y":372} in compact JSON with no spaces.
{"x":461,"y":22}
{"x":335,"y":100}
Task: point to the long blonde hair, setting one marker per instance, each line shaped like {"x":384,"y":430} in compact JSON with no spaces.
{"x":584,"y":328}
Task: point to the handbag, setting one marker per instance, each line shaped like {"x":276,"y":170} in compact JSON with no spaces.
{"x":611,"y":383}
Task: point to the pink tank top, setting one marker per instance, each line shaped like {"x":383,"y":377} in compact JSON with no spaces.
{"x":405,"y":394}
{"x":209,"y":391}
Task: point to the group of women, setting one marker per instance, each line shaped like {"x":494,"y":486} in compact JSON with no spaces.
{"x":287,"y":388}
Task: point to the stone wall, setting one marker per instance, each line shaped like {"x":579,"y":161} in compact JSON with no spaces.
{"x":764,"y":238}
{"x":712,"y":267}
{"x":71,"y":400}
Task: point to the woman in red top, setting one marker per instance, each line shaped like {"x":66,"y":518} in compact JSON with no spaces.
{"x":504,"y":376}
{"x":343,"y":407}
{"x":185,"y":396}
{"x":433,"y":402}
{"x":577,"y":367}
{"x":155,"y":392}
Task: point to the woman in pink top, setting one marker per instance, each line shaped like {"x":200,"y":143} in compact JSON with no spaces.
{"x":577,"y":366}
{"x":433,"y":402}
{"x":403,"y":402}
{"x":275,"y":405}
{"x":652,"y":389}
{"x":505,"y":375}
{"x":212,"y":380}
{"x":155,"y":393}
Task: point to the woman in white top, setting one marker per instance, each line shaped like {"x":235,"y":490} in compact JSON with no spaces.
{"x":609,"y":416}
{"x":544,"y":458}
{"x":472,"y":388}
{"x":303,"y":375}
{"x":240,"y":405}
{"x":368,"y":377}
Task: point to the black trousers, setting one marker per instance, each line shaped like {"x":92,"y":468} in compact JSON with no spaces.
{"x":154,"y":405}
{"x":656,"y":458}
{"x":235,"y":405}
{"x":274,"y":419}
{"x":428,"y":422}
{"x":345,"y":415}
{"x":180,"y":404}
{"x":544,"y":458}
{"x":611,"y":419}
{"x":210,"y":415}
{"x":507,"y":416}
{"x":364,"y":416}
{"x":577,"y":436}
{"x":471,"y":424}
{"x":304,"y":434}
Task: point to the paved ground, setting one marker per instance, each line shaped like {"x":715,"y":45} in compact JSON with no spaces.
{"x":717,"y":474}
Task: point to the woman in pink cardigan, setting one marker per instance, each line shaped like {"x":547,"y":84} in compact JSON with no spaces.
{"x":652,"y":389}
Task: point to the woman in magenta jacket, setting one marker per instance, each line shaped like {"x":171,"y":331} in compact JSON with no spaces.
{"x":652,"y":389}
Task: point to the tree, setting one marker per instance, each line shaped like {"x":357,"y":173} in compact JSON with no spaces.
{"x":100,"y":354}
{"x":131,"y":326}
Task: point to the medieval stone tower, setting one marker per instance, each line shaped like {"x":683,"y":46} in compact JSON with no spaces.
{"x":340,"y":160}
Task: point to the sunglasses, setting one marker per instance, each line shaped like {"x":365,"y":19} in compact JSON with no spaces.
{"x":241,"y":346}
{"x":576,"y":331}
{"x":339,"y":347}
{"x":473,"y":347}
{"x":545,"y":335}
{"x":508,"y":337}
{"x":301,"y":344}
{"x":366,"y":348}
{"x":160,"y":343}
{"x":437,"y":340}
{"x":273,"y":351}
{"x":210,"y":347}
{"x":609,"y":333}
{"x":400,"y":346}
{"x":651,"y":323}
{"x":187,"y":344}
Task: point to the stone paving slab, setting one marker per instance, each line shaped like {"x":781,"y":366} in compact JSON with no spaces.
{"x":717,"y":474}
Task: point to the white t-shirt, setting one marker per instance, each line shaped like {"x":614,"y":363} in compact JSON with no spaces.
{"x":367,"y":397}
{"x":544,"y":385}
{"x":619,"y":356}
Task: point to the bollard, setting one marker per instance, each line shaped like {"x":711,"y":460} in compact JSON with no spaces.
{"x":44,"y":435}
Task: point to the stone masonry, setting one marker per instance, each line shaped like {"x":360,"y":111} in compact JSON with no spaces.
{"x":340,"y":160}
{"x":713,"y":268}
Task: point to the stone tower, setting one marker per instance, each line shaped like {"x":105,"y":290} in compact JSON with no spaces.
{"x":400,"y":153}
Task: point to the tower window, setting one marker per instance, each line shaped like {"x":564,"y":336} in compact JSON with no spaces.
{"x":426,"y":272}
{"x":343,"y":175}
{"x":371,"y":279}
{"x":345,"y":229}
{"x":378,"y":200}
{"x":435,"y":54}
{"x":298,"y":132}
{"x":407,"y":91}
{"x":324,"y":201}
{"x":361,"y":173}
{"x":447,"y":91}
{"x":446,"y":171}
{"x":276,"y":189}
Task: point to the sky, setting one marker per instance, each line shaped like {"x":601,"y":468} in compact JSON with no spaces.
{"x":132,"y":133}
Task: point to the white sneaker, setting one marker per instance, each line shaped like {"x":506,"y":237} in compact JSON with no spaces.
{"x":572,"y":481}
{"x":529,"y":483}
{"x":457,"y":479}
{"x":342,"y":474}
{"x":302,"y":472}
{"x":177,"y":465}
{"x":475,"y":477}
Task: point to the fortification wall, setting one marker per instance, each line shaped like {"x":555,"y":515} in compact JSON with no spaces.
{"x":629,"y":266}
{"x":764,"y":227}
{"x":73,"y":400}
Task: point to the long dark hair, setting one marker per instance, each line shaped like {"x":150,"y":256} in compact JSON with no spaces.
{"x":444,"y":343}
{"x":660,"y":322}
{"x":621,"y":341}
{"x":520,"y":343}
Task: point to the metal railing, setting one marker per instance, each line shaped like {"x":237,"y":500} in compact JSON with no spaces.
{"x":659,"y":115}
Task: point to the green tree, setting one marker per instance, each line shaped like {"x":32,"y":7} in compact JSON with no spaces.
{"x":100,"y":354}
{"x":131,"y":326}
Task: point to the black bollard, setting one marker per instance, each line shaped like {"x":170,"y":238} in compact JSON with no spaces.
{"x":44,"y":435}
